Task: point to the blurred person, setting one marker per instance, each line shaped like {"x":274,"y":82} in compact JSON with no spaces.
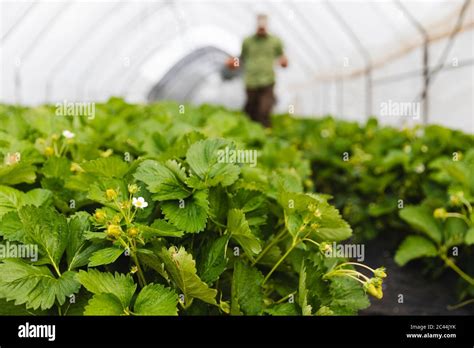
{"x":258,"y":55}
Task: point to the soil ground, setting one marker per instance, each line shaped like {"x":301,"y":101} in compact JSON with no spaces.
{"x":421,"y":295}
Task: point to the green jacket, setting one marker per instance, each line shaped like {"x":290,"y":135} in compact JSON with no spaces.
{"x":258,"y":56}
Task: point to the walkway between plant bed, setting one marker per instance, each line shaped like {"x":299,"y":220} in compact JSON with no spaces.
{"x":421,"y":295}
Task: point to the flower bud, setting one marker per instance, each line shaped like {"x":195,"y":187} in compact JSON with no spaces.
{"x":380,"y":273}
{"x":372,"y":290}
{"x":100,"y":216}
{"x":114,"y":231}
{"x":454,"y":200}
{"x":116,"y":219}
{"x":440,"y":213}
{"x":379,"y":293}
{"x":225,"y":307}
{"x":325,"y":247}
{"x":106,"y":153}
{"x":76,"y":168}
{"x":374,"y":287}
{"x":132,"y":231}
{"x":49,"y":151}
{"x":111,"y":194}
{"x":125,"y":205}
{"x":132,"y":188}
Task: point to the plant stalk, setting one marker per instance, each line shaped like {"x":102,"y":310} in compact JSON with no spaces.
{"x":456,"y":269}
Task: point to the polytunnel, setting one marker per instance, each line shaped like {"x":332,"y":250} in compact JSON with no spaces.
{"x":258,"y":158}
{"x":347,"y":58}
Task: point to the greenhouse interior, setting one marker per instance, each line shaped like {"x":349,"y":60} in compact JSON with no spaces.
{"x":219,"y":158}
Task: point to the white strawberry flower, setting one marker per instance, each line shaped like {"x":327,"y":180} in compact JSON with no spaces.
{"x":139,"y":202}
{"x":68,"y":134}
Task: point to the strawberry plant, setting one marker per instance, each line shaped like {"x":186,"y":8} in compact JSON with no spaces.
{"x":135,"y":212}
{"x":446,"y":221}
{"x":393,"y":184}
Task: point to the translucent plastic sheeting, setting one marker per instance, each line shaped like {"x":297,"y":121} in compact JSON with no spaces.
{"x":347,"y":58}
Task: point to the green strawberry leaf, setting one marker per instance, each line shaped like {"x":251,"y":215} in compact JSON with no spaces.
{"x":313,"y":291}
{"x":160,"y":228}
{"x":105,"y":256}
{"x":414,"y":247}
{"x":104,"y":304}
{"x":12,"y":199}
{"x":347,"y":296}
{"x":306,"y":308}
{"x":205,"y":160}
{"x":78,"y":248}
{"x":239,"y":230}
{"x":332,"y":227}
{"x":38,"y":197}
{"x":46,"y":228}
{"x":18,"y":173}
{"x":11,"y":227}
{"x":109,"y":167}
{"x":323,"y":221}
{"x":283,"y":309}
{"x":247,"y":291}
{"x":421,"y":218}
{"x":8,"y":308}
{"x":119,"y":285}
{"x":166,"y":181}
{"x":97,"y":189}
{"x":34,"y":286}
{"x":189,"y":215}
{"x":469,"y":238}
{"x":454,"y":231}
{"x":182,"y":269}
{"x":56,"y":167}
{"x":155,"y":299}
{"x":214,"y":260}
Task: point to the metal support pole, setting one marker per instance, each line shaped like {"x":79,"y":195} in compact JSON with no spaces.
{"x":322,"y":43}
{"x":368,"y":92}
{"x":340,"y":95}
{"x":426,"y":82}
{"x":362,"y":51}
{"x":425,"y":76}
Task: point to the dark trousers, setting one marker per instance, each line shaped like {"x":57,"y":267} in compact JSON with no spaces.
{"x":259,"y":104}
